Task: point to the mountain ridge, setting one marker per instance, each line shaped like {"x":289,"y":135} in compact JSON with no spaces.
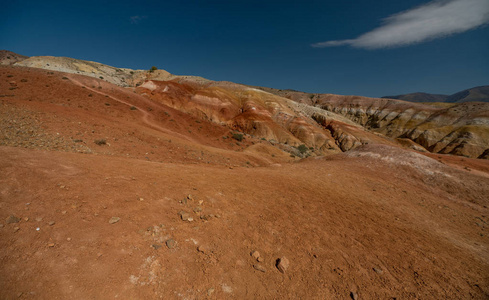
{"x":475,"y":94}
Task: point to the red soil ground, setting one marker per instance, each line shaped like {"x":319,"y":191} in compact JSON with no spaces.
{"x":378,"y":222}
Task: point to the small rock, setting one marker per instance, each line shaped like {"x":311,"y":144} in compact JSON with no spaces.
{"x":50,"y":245}
{"x":39,"y":219}
{"x":260,"y":259}
{"x":64,"y":212}
{"x":283,"y":264}
{"x":1,"y":225}
{"x":51,"y":223}
{"x":197,"y":209}
{"x":184,"y":215}
{"x":114,"y":220}
{"x":206,"y":217}
{"x":16,"y":229}
{"x":141,"y":199}
{"x":259,"y":267}
{"x":171,"y":243}
{"x":378,"y":270}
{"x":12,"y":219}
{"x":354,"y":295}
{"x":26,"y":219}
{"x":203,"y":249}
{"x":210,"y":291}
{"x":190,"y":219}
{"x":68,"y":239}
{"x":255,"y":254}
{"x":189,"y":197}
{"x":156,"y":246}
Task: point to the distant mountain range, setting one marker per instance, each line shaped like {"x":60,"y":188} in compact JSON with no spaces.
{"x":476,"y":94}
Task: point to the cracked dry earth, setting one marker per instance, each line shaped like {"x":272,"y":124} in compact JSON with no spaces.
{"x":127,"y":220}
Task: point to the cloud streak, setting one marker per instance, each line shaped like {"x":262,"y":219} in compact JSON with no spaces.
{"x":136,"y":19}
{"x":436,"y":19}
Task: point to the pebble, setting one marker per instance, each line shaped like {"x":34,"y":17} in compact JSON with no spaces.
{"x":39,"y":219}
{"x":260,"y":259}
{"x":26,"y":219}
{"x":354,"y":295}
{"x":259,"y":267}
{"x":156,"y":246}
{"x":203,"y":249}
{"x":378,"y":270}
{"x":206,"y":217}
{"x":64,"y":212}
{"x":171,"y":243}
{"x":50,"y":245}
{"x":255,"y":254}
{"x":197,"y":209}
{"x":283,"y":264}
{"x":210,"y":291}
{"x":114,"y":220}
{"x":184,"y":215}
{"x":51,"y":223}
{"x":16,"y":229}
{"x":12,"y":219}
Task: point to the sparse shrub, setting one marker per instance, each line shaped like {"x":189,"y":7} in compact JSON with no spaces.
{"x":101,"y":142}
{"x":107,"y":104}
{"x":153,"y":68}
{"x":133,"y":108}
{"x":132,"y":72}
{"x":90,"y":95}
{"x":23,"y":80}
{"x":10,"y":75}
{"x":238,"y":136}
{"x":101,"y":77}
{"x":302,"y":149}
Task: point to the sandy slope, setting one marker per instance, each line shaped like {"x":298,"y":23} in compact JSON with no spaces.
{"x":420,"y":223}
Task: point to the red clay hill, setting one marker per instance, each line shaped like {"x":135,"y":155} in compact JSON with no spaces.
{"x":147,"y":185}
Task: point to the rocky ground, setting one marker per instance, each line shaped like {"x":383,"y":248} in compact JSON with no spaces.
{"x":107,"y":193}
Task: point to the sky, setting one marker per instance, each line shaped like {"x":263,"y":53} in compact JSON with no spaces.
{"x":357,"y":47}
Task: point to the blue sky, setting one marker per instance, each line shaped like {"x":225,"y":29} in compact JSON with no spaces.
{"x":356,"y":47}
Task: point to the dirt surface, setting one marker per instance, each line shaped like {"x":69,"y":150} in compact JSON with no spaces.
{"x":173,"y":210}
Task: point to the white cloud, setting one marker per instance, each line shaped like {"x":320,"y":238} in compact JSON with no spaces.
{"x":433,"y":20}
{"x":136,"y":19}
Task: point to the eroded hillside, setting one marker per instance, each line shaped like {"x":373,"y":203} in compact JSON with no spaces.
{"x":173,"y":187}
{"x":320,"y":122}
